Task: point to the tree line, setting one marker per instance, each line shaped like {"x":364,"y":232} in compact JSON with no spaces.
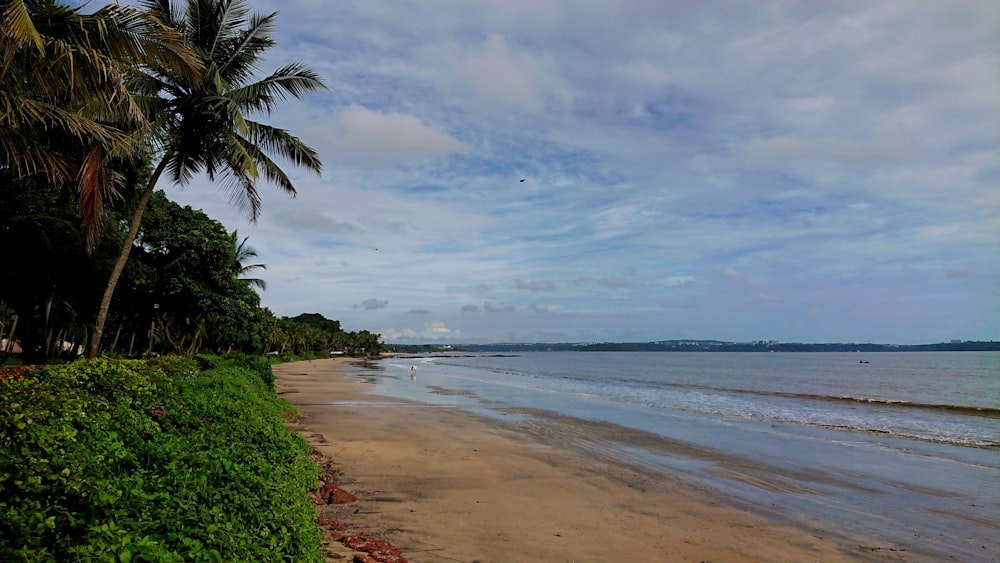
{"x":719,"y":346}
{"x":187,"y":288}
{"x":96,"y":110}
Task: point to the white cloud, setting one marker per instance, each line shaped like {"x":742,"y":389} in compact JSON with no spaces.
{"x":495,"y":74}
{"x":610,"y":282}
{"x":732,"y":275}
{"x":361,"y":133}
{"x":791,"y":147}
{"x":435,"y":331}
{"x":535,"y":285}
{"x":643,"y":72}
{"x":493,"y":307}
{"x":962,"y":272}
{"x":678,"y":281}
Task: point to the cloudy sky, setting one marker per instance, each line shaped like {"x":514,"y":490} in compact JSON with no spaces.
{"x":799,"y":171}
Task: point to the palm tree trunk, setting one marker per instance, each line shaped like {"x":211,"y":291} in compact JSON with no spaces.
{"x":114,"y":344}
{"x":178,"y":346}
{"x":116,"y":272}
{"x":6,"y":346}
{"x":10,"y":337}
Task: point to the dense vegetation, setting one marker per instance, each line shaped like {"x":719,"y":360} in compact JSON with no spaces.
{"x":184,"y":290}
{"x":203,"y":117}
{"x":160,"y":460}
{"x":96,"y":108}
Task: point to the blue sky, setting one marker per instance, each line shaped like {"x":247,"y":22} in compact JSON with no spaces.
{"x":798,"y":171}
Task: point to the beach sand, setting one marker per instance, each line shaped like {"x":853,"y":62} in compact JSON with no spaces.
{"x":446,"y":485}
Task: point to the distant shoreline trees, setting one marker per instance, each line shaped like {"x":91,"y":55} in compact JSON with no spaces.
{"x":720,"y":346}
{"x":314,"y":335}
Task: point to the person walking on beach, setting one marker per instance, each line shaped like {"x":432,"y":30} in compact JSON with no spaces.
{"x":413,"y":373}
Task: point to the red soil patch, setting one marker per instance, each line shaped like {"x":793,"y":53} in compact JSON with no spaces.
{"x":326,"y":495}
{"x":331,"y":524}
{"x":374,"y":551}
{"x":332,"y":494}
{"x":14,"y":372}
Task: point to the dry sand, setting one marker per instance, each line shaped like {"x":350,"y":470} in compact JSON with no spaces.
{"x":445,"y":485}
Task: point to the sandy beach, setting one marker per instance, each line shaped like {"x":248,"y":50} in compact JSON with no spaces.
{"x":444,"y":485}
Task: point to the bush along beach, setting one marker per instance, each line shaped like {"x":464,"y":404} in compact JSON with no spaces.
{"x":171,"y":459}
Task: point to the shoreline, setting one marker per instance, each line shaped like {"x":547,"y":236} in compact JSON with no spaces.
{"x":444,"y":484}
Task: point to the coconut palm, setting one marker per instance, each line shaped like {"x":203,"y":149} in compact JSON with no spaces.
{"x":64,"y":106}
{"x":241,"y":253}
{"x":204,"y":125}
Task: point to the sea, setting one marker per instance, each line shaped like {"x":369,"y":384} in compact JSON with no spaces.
{"x":901,"y":448}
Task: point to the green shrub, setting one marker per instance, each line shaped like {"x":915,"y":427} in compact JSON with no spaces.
{"x":151,"y":461}
{"x":257,"y":364}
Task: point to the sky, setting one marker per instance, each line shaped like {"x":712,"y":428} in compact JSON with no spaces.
{"x":793,"y":171}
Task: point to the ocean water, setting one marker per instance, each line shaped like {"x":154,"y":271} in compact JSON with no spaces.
{"x":901,"y":447}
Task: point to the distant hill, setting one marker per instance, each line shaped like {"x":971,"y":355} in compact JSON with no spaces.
{"x":720,"y":346}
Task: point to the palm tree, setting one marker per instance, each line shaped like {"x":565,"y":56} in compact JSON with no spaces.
{"x":64,"y":107}
{"x":241,"y":252}
{"x":203,"y":125}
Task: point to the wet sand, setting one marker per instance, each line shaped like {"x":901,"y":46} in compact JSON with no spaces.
{"x":447,"y":485}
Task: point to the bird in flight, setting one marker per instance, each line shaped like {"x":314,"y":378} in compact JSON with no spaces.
{"x":523,"y":179}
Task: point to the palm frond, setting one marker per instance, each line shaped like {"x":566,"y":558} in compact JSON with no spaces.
{"x":113,"y":34}
{"x":25,"y":158}
{"x":96,"y":185}
{"x":166,"y":12}
{"x":242,"y":191}
{"x":18,"y":27}
{"x":137,"y":36}
{"x":238,"y":58}
{"x":230,"y":17}
{"x":281,"y":142}
{"x":241,"y":252}
{"x":272,"y":172}
{"x":290,"y":81}
{"x":50,"y":115}
{"x":255,"y":282}
{"x":183,"y":166}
